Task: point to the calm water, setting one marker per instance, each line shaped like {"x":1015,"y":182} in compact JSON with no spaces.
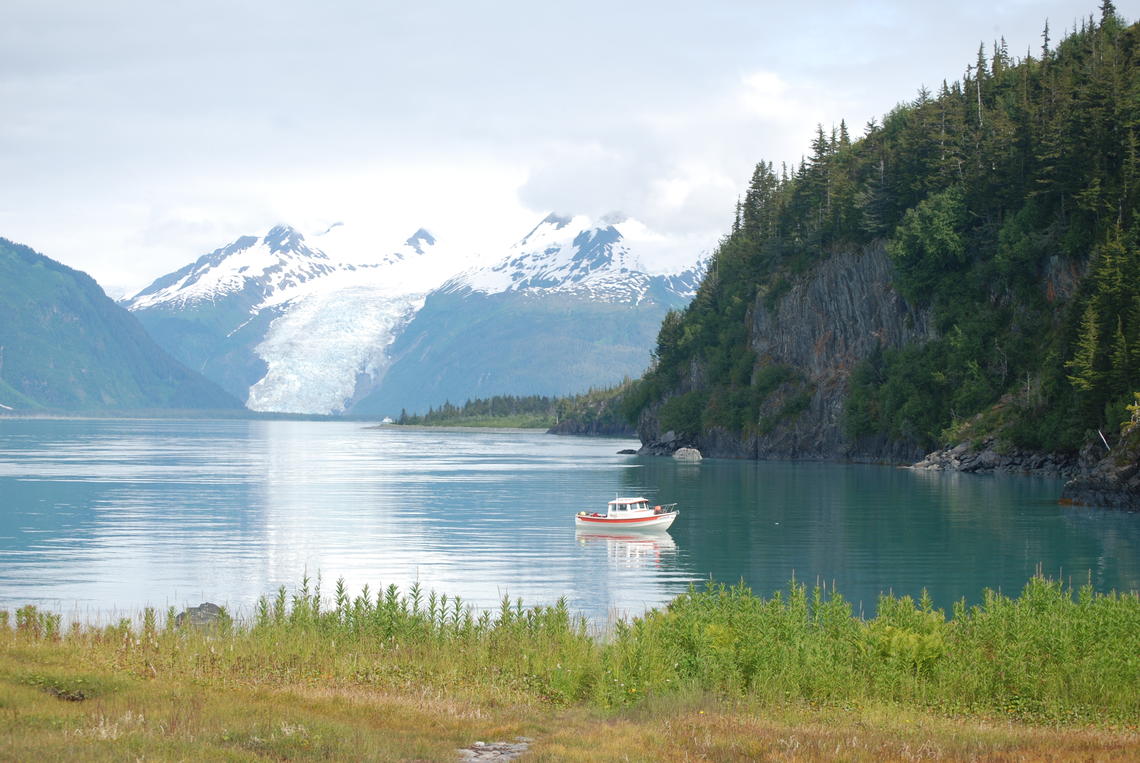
{"x":101,"y":518}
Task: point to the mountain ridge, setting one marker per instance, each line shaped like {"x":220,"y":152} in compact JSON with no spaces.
{"x":249,"y":315}
{"x":296,"y":324}
{"x":66,"y":346}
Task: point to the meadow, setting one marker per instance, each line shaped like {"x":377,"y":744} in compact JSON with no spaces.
{"x":720,"y":673}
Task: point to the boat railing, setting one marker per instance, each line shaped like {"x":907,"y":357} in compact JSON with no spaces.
{"x":665,"y":508}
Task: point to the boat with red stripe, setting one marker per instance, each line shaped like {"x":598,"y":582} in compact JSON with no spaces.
{"x":630,"y":514}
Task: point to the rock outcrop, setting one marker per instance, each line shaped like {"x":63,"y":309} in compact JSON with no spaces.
{"x":990,"y":456}
{"x":204,"y":615}
{"x":1114,"y":480}
{"x":828,"y":321}
{"x":1096,"y":477}
{"x":496,"y":750}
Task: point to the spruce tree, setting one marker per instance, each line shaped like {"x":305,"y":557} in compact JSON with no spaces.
{"x":1086,"y":376}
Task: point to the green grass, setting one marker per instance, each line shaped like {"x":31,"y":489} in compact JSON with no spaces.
{"x":307,"y":677}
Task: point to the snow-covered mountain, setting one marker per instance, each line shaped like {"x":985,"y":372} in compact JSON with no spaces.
{"x":262,"y":269}
{"x":338,"y":322}
{"x":283,"y":324}
{"x":569,"y":306}
{"x":573,"y":255}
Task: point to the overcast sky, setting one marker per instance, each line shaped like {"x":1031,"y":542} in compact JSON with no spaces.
{"x":135,"y":136}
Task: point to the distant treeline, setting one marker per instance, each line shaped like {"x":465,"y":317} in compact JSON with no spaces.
{"x":596,"y":411}
{"x":530,"y":407}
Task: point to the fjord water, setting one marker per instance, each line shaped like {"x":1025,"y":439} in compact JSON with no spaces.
{"x":101,"y":518}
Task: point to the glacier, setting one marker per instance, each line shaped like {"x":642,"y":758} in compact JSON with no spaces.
{"x":328,"y":348}
{"x":310,"y":326}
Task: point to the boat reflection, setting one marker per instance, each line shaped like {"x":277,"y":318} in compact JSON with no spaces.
{"x":632,"y":550}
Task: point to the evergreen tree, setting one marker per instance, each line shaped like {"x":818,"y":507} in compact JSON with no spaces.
{"x":1120,"y":375}
{"x":1087,"y":376}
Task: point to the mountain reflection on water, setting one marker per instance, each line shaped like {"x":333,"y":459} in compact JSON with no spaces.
{"x":100,"y":518}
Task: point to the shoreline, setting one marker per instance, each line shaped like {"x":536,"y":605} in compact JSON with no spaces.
{"x":456,"y":428}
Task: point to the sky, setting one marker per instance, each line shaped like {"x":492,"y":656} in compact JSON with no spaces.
{"x":136,"y":136}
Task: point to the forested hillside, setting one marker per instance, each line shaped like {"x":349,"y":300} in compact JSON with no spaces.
{"x":66,"y":346}
{"x":1003,"y":209}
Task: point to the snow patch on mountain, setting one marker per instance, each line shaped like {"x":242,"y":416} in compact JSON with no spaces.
{"x":274,"y":265}
{"x":573,"y":255}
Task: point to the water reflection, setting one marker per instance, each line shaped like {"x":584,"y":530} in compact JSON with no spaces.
{"x":631,"y":550}
{"x":112,"y":516}
{"x":115,"y":515}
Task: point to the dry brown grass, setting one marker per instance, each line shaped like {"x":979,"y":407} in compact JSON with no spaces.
{"x":797,"y":734}
{"x":127,"y":717}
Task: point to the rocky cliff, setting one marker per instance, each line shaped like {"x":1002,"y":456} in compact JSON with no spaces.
{"x":819,"y":329}
{"x":1112,"y":481}
{"x":994,"y":455}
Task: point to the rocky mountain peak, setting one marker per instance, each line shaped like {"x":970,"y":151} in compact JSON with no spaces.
{"x":279,"y":260}
{"x":557,"y":220}
{"x":575,"y":255}
{"x":283,"y":238}
{"x":419,"y":240}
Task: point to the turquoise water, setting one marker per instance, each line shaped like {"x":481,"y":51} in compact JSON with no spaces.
{"x":100,"y":518}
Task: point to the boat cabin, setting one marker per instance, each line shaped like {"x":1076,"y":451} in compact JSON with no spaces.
{"x":624,"y":505}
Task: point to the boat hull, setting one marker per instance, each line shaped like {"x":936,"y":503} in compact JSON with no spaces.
{"x":654,"y":522}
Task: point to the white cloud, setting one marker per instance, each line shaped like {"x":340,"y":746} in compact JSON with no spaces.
{"x":138,"y":136}
{"x":765,"y":95}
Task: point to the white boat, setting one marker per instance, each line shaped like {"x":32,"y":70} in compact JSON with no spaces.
{"x":629,"y":514}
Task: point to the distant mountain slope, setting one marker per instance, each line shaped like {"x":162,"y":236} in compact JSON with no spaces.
{"x":65,"y":345}
{"x":282,"y":324}
{"x":569,"y":307}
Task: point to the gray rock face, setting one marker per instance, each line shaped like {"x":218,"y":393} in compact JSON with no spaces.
{"x":831,"y":319}
{"x":1113,"y":481}
{"x":834,"y":318}
{"x":824,"y":327}
{"x":989,"y":456}
{"x":654,"y":444}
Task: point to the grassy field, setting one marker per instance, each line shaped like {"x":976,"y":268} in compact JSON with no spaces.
{"x":720,"y":674}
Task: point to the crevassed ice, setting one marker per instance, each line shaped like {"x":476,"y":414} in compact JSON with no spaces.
{"x":318,"y":347}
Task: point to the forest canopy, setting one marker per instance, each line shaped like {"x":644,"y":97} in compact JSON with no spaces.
{"x":1006,"y":202}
